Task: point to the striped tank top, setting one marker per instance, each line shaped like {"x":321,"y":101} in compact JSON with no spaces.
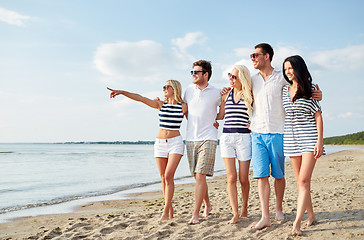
{"x":236,"y":115}
{"x":170,"y":116}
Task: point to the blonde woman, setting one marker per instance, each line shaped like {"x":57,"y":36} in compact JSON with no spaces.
{"x":235,"y":141}
{"x":168,"y":147}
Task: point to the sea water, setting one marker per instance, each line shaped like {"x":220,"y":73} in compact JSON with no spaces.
{"x":34,"y":175}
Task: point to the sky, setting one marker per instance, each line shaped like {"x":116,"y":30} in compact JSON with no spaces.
{"x":57,"y":58}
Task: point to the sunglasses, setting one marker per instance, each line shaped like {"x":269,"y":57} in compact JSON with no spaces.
{"x":232,"y":76}
{"x":166,"y":87}
{"x":254,"y":55}
{"x":196,"y":72}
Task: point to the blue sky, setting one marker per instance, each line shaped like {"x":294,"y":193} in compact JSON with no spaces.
{"x":58,"y":57}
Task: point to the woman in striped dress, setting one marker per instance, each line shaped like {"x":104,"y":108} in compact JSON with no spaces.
{"x":235,"y":141}
{"x":303,"y":133}
{"x":168,"y":147}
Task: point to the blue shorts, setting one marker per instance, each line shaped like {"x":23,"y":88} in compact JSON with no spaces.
{"x":267,"y":155}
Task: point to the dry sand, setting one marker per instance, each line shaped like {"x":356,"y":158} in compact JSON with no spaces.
{"x":337,"y":193}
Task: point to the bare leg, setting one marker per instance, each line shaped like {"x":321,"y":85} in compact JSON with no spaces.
{"x":306,"y":165}
{"x":264,"y":192}
{"x":208,"y":206}
{"x":168,"y":184}
{"x":279,"y":186}
{"x":245,"y":185}
{"x":162,"y":165}
{"x":201,"y":195}
{"x":311,"y":215}
{"x":231,"y":187}
{"x":296,"y":163}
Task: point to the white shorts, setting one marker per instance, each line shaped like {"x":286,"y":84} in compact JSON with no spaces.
{"x":236,"y":145}
{"x":164,"y":147}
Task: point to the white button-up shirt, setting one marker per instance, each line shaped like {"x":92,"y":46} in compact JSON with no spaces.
{"x":268,"y":112}
{"x":202,"y":111}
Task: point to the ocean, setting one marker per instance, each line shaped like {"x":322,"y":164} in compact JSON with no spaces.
{"x":54,"y":178}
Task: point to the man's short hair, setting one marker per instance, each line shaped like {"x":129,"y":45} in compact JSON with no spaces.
{"x":206,"y":66}
{"x":266,"y":49}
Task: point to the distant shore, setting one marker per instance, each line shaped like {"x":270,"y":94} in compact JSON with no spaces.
{"x":337,"y":193}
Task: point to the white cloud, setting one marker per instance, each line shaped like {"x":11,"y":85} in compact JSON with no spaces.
{"x":188,"y":40}
{"x":141,"y":60}
{"x":346,"y":115}
{"x":182,"y":44}
{"x":13,"y":18}
{"x":341,"y":60}
{"x":351,"y":115}
{"x":145,"y":60}
{"x":243,"y":52}
{"x":281,"y":53}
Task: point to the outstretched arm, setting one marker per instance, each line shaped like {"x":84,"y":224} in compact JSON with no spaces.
{"x":136,"y":97}
{"x":319,"y":147}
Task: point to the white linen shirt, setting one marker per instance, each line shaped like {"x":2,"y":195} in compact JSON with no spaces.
{"x":268,"y":112}
{"x":202,"y":112}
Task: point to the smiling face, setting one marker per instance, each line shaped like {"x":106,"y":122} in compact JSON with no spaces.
{"x":234,"y":79}
{"x":288,"y":70}
{"x":258,"y":59}
{"x":168,"y":90}
{"x":201,"y":77}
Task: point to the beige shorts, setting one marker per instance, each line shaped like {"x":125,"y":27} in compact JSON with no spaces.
{"x":201,"y":156}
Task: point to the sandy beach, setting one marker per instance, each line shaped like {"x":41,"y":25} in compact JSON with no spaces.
{"x":337,"y":193}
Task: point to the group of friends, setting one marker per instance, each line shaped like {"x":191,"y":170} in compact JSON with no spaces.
{"x":268,"y":115}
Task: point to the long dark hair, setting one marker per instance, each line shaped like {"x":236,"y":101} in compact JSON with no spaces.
{"x":302,"y":75}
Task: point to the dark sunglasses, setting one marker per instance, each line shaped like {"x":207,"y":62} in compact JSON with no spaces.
{"x":166,"y":87}
{"x":196,"y":72}
{"x":254,"y":55}
{"x":232,"y":76}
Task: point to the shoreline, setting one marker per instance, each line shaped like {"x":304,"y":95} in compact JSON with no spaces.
{"x":337,"y":195}
{"x":67,"y":205}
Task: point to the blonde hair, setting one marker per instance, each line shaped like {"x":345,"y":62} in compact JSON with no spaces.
{"x":246,"y":86}
{"x":176,"y":85}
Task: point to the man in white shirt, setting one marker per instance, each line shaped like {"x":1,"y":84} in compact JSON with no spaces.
{"x":267,"y":126}
{"x":203,"y":101}
{"x":267,"y":131}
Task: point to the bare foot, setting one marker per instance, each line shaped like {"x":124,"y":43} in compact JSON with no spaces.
{"x":296,"y":229}
{"x":262,"y":224}
{"x":295,"y":233}
{"x":279,"y":216}
{"x":207,"y":211}
{"x":311,"y":222}
{"x":164,"y":217}
{"x":234,"y":220}
{"x":244,"y":213}
{"x":171,"y":213}
{"x":194,"y":220}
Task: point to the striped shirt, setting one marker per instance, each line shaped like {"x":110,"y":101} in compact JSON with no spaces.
{"x":300,"y":131}
{"x":170,"y":116}
{"x":236,"y":115}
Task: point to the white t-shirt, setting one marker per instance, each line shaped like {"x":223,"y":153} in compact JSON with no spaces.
{"x":202,"y":111}
{"x":268,"y":112}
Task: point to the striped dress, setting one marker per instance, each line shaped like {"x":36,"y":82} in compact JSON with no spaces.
{"x":236,"y":115}
{"x":300,"y":132}
{"x":170,"y":116}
